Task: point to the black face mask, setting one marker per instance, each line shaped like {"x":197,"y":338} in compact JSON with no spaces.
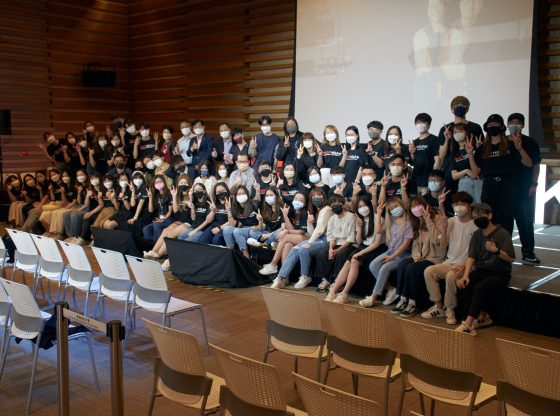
{"x":222,"y":195}
{"x":482,"y":222}
{"x":460,"y":111}
{"x":317,"y":202}
{"x":198,"y":194}
{"x":494,"y":130}
{"x":182,"y":188}
{"x":180,"y":168}
{"x":336,"y":209}
{"x":265,"y":172}
{"x":119,"y":165}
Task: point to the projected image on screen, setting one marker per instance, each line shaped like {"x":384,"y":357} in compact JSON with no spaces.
{"x":359,"y":60}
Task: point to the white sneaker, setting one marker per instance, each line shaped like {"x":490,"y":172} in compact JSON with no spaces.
{"x":70,"y":240}
{"x":433,"y":312}
{"x":253,"y":242}
{"x":269,"y":269}
{"x":151,"y":255}
{"x":80,"y":241}
{"x":367,"y":302}
{"x":450,"y":317}
{"x":302,"y":282}
{"x":390,"y":297}
{"x":278,"y":283}
{"x":401,"y":306}
{"x":341,"y":298}
{"x":330,"y":296}
{"x":323,"y":286}
{"x":274,"y":245}
{"x":166,"y":265}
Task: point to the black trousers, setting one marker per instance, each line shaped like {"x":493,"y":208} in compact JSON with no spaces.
{"x":328,"y":269}
{"x":525,"y":221}
{"x":500,"y":196}
{"x":482,"y":291}
{"x":410,"y":277}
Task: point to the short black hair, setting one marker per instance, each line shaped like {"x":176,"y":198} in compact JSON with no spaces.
{"x":425,"y":117}
{"x":337,"y":169}
{"x":197,"y":120}
{"x":236,"y":130}
{"x":168,"y":127}
{"x":462,"y":197}
{"x":354,"y":129}
{"x":482,"y":208}
{"x":397,"y":156}
{"x":516,"y":116}
{"x":336,"y":198}
{"x":119,"y":154}
{"x":144,"y":125}
{"x":223,"y":123}
{"x":437,"y":173}
{"x":375,"y":124}
{"x":262,"y":119}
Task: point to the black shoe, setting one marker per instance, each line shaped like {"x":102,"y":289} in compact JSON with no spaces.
{"x":531,"y":260}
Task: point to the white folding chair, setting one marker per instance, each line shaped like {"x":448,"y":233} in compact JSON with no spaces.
{"x":51,"y":264}
{"x":80,"y":273}
{"x":3,"y":257}
{"x":26,"y":256}
{"x":5,"y":306}
{"x":114,"y":281}
{"x":28,"y":322}
{"x":151,"y":294}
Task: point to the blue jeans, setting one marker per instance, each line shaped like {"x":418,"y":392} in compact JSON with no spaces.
{"x":237,"y":235}
{"x":382,"y":270}
{"x":257,"y":234}
{"x":73,"y":222}
{"x":303,"y":255}
{"x":153,"y":231}
{"x":195,"y":238}
{"x":471,"y":186}
{"x":208,"y":238}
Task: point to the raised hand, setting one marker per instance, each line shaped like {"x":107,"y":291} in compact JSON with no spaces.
{"x":447,"y":131}
{"x":356,"y":188}
{"x":369,"y":149}
{"x":156,"y":136}
{"x":253,"y":144}
{"x":286,"y":141}
{"x":479,"y":140}
{"x":443,"y":196}
{"x":469,"y":146}
{"x":108,"y":129}
{"x":173,"y":191}
{"x":318,"y":150}
{"x":516,"y":139}
{"x":228,"y":204}
{"x":380,"y":208}
{"x":214,"y":153}
{"x":404,"y":181}
{"x":491,"y":246}
{"x":359,"y":221}
{"x":384,"y":179}
{"x":411,"y":147}
{"x":259,"y":216}
{"x":299,"y":151}
{"x":310,"y":217}
{"x":149,"y":193}
{"x":398,"y":145}
{"x":285,"y":210}
{"x":137,"y":141}
{"x":344,"y":152}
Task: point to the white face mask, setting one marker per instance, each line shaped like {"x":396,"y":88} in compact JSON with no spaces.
{"x":90,"y":129}
{"x":138,"y":181}
{"x":460,"y":210}
{"x":224,"y":134}
{"x":94,"y":181}
{"x":66,"y":179}
{"x":393,"y":138}
{"x":351,"y":139}
{"x":421,"y":128}
{"x":308,"y":144}
{"x":158,"y":163}
{"x":81,"y":179}
{"x":270,"y":200}
{"x":331,"y":137}
{"x":55,"y":178}
{"x":131,"y":129}
{"x":82,"y":144}
{"x":185,"y":131}
{"x":315,"y":178}
{"x":289,"y":174}
{"x":150,"y":165}
{"x":222,"y":173}
{"x":166,"y":136}
{"x":265,"y":129}
{"x":363,"y":211}
{"x":123,"y":184}
{"x":459,"y":137}
{"x":367,"y":180}
{"x":115,"y":143}
{"x":242,"y":198}
{"x":396,"y":170}
{"x":198,"y":131}
{"x":108,"y":185}
{"x":145,"y":132}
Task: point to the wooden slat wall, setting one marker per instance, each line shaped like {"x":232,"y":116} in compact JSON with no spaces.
{"x":220,"y":61}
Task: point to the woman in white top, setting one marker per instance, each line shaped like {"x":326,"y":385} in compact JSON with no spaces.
{"x":209,"y":181}
{"x":371,"y":243}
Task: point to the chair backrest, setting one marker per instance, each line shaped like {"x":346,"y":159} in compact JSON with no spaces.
{"x":23,"y":242}
{"x":76,"y":256}
{"x":48,"y":249}
{"x":112,"y":263}
{"x":533,"y":369}
{"x":252,"y":381}
{"x":26,"y":314}
{"x":5,"y":304}
{"x":437,"y":346}
{"x":147,"y":273}
{"x":320,"y":400}
{"x":358,"y":326}
{"x":293,"y":309}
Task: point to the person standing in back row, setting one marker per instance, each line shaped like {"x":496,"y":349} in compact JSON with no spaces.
{"x":264,"y":145}
{"x":424,"y":152}
{"x":526,"y":179}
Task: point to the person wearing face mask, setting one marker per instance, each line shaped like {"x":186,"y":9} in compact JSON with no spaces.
{"x":459,"y":108}
{"x":394,"y":146}
{"x":330,"y":154}
{"x":376,"y":147}
{"x":265,"y":179}
{"x":77,"y":159}
{"x":16,"y":195}
{"x":397,"y":184}
{"x":73,"y":220}
{"x":239,"y":147}
{"x":314,"y":180}
{"x":455,"y":235}
{"x":243,"y":175}
{"x":437,"y":198}
{"x":160,"y":208}
{"x":222,"y":173}
{"x":288,"y":147}
{"x":205,"y":178}
{"x":161,"y":166}
{"x":354,"y":155}
{"x":166,"y":148}
{"x":57,"y":200}
{"x":424,"y":152}
{"x":99,"y":155}
{"x":93,"y":204}
{"x":426,"y":251}
{"x":464,"y":179}
{"x":318,"y":216}
{"x":214,"y":234}
{"x":264,"y":145}
{"x":130,"y":136}
{"x":119,"y":167}
{"x":183,"y":144}
{"x":202,"y":147}
{"x":123,"y":194}
{"x":271,"y":222}
{"x":398,"y":236}
{"x":487,"y":269}
{"x":293,"y":233}
{"x":366,"y":188}
{"x":340,"y":185}
{"x":341,"y":235}
{"x":496,"y":157}
{"x":371,"y":243}
{"x":109,"y":200}
{"x":176,"y":167}
{"x":56,"y":229}
{"x":139,"y":191}
{"x":307,"y":155}
{"x":89,"y":132}
{"x":526,"y":180}
{"x":225,"y":144}
{"x":56,"y":151}
{"x":247,"y":217}
{"x":181,"y":196}
{"x":289,"y":185}
{"x":145,"y":144}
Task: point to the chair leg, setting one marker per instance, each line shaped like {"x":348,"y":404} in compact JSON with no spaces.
{"x":433,"y":408}
{"x":93,"y":367}
{"x":4,"y":353}
{"x":355,"y":381}
{"x":401,"y":400}
{"x":204,"y":331}
{"x":422,"y":406}
{"x":326,"y":376}
{"x":385,"y":398}
{"x":86,"y":301}
{"x":154,"y":388}
{"x":33,"y":370}
{"x":13,"y":271}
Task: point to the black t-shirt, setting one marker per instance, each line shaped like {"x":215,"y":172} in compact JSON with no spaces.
{"x":287,"y":192}
{"x":332,"y":155}
{"x":263,"y":187}
{"x":388,"y":152}
{"x":496,"y":164}
{"x":146,"y":148}
{"x":346,"y":192}
{"x":377,"y":149}
{"x":524,"y":175}
{"x":426,"y":151}
{"x":484,"y":259}
{"x":433,"y":204}
{"x":251,"y":219}
{"x":460,"y":160}
{"x":58,"y":190}
{"x":220,"y":215}
{"x":356,"y":159}
{"x":303,"y":164}
{"x":101,"y":156}
{"x":201,"y":211}
{"x":56,"y":151}
{"x":394,"y":189}
{"x":365,"y":192}
{"x":162,"y":205}
{"x":298,"y":219}
{"x":471,"y":128}
{"x":274,"y":224}
{"x":32,"y":193}
{"x":235,"y":151}
{"x":70,"y":192}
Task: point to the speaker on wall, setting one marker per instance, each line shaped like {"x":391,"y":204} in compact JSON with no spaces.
{"x":6,"y":122}
{"x":97,"y":75}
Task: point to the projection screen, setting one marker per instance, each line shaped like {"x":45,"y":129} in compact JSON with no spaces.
{"x":364,"y":60}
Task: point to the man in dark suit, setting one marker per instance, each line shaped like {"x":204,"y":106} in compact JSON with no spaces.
{"x":202,"y":148}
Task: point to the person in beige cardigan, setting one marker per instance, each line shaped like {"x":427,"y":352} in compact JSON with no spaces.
{"x":426,"y":251}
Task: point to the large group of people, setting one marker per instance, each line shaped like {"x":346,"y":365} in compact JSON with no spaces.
{"x":339,"y":207}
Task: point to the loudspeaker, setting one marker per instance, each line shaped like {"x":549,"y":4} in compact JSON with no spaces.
{"x":99,"y":76}
{"x":5,"y":122}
